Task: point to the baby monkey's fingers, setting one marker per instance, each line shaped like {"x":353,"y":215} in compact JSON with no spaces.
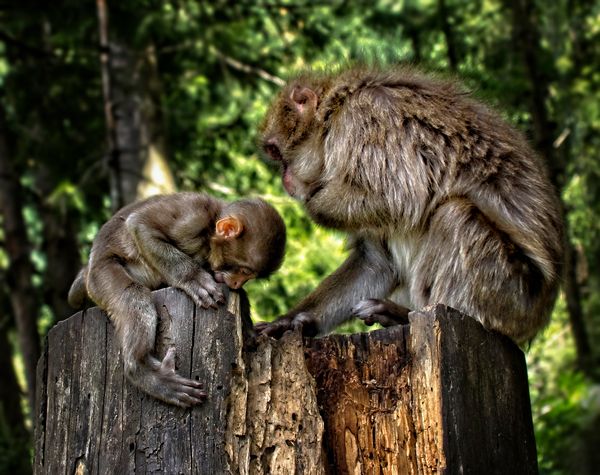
{"x":183,"y":397}
{"x":202,"y":296}
{"x":185,"y":400}
{"x":208,"y":284}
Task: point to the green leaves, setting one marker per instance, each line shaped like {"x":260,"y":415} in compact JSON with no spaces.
{"x":219,"y":65}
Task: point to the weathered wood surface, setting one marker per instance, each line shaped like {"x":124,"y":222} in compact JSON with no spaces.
{"x":440,"y":395}
{"x":91,"y":420}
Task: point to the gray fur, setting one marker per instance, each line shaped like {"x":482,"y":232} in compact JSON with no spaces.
{"x":448,"y":203}
{"x":173,"y":240}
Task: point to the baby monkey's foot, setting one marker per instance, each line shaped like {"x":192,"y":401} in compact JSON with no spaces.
{"x":384,"y":312}
{"x":180,"y":391}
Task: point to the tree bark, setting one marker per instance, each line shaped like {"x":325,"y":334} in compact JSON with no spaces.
{"x":20,"y":271}
{"x":451,"y":52}
{"x":89,"y":419}
{"x":413,"y":29}
{"x":59,"y":245}
{"x":137,"y":160}
{"x":439,"y":395}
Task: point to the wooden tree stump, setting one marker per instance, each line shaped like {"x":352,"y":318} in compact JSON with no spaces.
{"x":440,"y":395}
{"x":91,"y":420}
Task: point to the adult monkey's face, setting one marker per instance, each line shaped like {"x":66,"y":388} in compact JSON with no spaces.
{"x":291,"y":134}
{"x":332,"y":149}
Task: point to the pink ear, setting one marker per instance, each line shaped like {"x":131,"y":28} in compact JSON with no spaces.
{"x":229,"y":227}
{"x":304,"y":99}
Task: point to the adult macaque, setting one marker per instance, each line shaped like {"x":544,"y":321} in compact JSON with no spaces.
{"x":444,"y":201}
{"x":186,"y":240}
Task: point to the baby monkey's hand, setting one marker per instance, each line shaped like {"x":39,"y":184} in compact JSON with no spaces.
{"x":202,"y":289}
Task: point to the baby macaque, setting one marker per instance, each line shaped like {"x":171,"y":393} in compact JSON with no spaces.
{"x":443,"y":200}
{"x":186,"y":240}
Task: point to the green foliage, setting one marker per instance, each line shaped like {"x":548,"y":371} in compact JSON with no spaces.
{"x":556,"y":392}
{"x":221,"y":62}
{"x":564,"y":402}
{"x":13,"y":457}
{"x":311,"y":254}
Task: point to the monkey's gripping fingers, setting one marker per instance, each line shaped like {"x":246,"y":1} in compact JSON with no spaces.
{"x":203,"y":290}
{"x":177,"y":390}
{"x":384,"y":312}
{"x":305,"y":322}
{"x":274,"y":329}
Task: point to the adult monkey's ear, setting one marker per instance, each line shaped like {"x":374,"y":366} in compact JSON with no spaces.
{"x":304,"y":99}
{"x":229,"y":227}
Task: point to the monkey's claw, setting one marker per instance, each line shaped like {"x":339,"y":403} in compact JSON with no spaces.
{"x":384,"y":312}
{"x":180,"y":391}
{"x":204,"y":291}
{"x":274,"y":329}
{"x":303,"y":322}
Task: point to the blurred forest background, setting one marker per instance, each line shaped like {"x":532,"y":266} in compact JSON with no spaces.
{"x":103,"y":102}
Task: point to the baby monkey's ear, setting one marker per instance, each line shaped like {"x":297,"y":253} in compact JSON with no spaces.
{"x":229,"y":227}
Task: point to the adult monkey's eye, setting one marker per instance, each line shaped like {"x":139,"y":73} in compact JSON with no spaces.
{"x":273,"y":151}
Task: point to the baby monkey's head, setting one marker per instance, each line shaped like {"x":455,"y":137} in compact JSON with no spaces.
{"x":248,"y":242}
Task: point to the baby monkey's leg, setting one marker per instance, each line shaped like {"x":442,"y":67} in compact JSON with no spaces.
{"x":130,"y":306}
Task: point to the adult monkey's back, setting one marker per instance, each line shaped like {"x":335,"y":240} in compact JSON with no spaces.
{"x":444,"y":201}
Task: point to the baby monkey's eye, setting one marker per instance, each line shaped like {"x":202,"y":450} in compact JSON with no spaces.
{"x":225,"y":268}
{"x":245,"y":271}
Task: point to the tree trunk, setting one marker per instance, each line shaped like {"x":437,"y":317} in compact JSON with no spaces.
{"x":136,"y":145}
{"x":15,"y":440}
{"x":439,"y":395}
{"x":526,"y":40}
{"x":60,"y":244}
{"x":20,"y":271}
{"x":90,"y":420}
{"x":62,"y":259}
{"x":446,"y":27}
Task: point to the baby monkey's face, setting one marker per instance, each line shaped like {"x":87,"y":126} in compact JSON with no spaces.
{"x":248,"y":243}
{"x":233,"y":276}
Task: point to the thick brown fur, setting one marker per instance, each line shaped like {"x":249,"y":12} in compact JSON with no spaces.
{"x":444,"y":201}
{"x":186,"y":240}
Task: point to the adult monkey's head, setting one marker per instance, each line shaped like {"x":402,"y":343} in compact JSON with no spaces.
{"x":293,"y":133}
{"x":336,"y":158}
